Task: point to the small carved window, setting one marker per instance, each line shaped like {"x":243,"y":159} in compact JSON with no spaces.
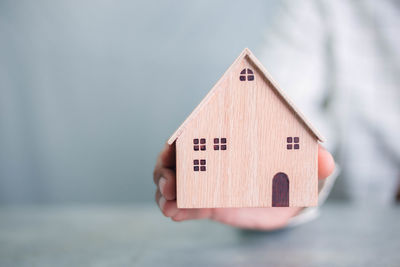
{"x":199,"y":165}
{"x":220,"y":143}
{"x":293,"y":143}
{"x":246,"y":74}
{"x":199,"y":144}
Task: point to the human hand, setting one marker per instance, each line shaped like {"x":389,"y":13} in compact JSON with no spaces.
{"x":250,"y":218}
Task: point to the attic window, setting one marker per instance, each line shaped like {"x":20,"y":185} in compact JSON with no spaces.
{"x":199,"y":165}
{"x":220,"y":143}
{"x":199,"y":144}
{"x":246,"y":74}
{"x":292,"y":143}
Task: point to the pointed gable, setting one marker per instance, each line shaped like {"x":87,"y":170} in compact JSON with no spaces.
{"x":247,"y":54}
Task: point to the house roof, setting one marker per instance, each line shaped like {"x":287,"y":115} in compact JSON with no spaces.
{"x":248,"y":55}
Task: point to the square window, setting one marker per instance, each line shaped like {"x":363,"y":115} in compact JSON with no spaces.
{"x":196,"y":148}
{"x":203,"y":147}
{"x":293,"y":142}
{"x":195,"y":141}
{"x":217,"y":142}
{"x":199,"y":164}
{"x":242,"y":78}
{"x":250,"y":77}
{"x":202,"y":141}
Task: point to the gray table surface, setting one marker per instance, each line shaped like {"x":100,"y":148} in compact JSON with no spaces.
{"x":344,"y":235}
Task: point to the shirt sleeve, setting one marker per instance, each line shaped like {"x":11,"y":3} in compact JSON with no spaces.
{"x":297,"y":52}
{"x":311,"y":213}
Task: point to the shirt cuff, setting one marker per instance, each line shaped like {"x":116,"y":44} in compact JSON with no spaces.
{"x":311,"y":213}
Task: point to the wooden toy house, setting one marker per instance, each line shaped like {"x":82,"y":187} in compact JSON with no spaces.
{"x":246,"y":145}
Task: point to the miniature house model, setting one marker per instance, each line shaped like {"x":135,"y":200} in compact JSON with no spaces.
{"x":246,"y":145}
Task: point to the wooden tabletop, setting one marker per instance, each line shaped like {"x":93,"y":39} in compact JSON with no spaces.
{"x":344,"y":235}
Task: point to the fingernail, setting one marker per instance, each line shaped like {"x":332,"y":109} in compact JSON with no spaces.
{"x":161,"y":184}
{"x":161,"y":202}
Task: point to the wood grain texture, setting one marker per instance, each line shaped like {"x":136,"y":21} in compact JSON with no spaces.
{"x":256,"y":121}
{"x":246,"y":53}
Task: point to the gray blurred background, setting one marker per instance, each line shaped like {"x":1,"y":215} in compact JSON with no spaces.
{"x":90,"y":90}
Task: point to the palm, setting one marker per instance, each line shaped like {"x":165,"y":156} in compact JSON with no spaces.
{"x":254,"y":218}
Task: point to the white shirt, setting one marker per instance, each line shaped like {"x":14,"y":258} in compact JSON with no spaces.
{"x":340,"y":63}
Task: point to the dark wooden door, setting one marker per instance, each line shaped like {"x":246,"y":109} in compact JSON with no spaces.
{"x":280,"y":190}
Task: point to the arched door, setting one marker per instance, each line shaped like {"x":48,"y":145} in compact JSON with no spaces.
{"x":280,"y":190}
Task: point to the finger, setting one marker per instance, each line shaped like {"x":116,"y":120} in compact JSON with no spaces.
{"x":326,"y":163}
{"x":168,"y":208}
{"x":166,"y":159}
{"x":191,"y":214}
{"x":167,"y":184}
{"x":167,"y":156}
{"x":165,"y":179}
{"x":157,"y":196}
